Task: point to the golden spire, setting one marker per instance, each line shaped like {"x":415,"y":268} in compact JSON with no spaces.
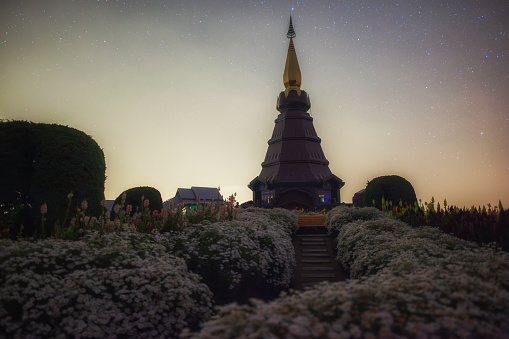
{"x":291,"y":75}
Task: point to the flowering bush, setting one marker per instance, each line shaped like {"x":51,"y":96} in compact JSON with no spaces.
{"x":146,"y":221}
{"x":102,"y":286}
{"x":343,"y":215}
{"x":282,"y":217}
{"x":251,"y":252}
{"x":384,"y":306}
{"x":131,"y":283}
{"x":481,"y":225}
{"x":409,"y":283}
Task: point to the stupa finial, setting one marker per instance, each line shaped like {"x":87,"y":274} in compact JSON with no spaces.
{"x":291,"y":75}
{"x":291,"y":31}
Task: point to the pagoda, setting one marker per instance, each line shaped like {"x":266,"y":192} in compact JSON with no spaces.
{"x":295,"y":172}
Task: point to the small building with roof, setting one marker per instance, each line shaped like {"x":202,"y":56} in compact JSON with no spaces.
{"x":194,"y":196}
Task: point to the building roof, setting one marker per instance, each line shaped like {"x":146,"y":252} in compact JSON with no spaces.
{"x":190,"y":195}
{"x":186,"y":193}
{"x":206,"y":193}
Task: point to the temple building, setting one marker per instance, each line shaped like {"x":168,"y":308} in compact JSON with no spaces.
{"x":295,"y":172}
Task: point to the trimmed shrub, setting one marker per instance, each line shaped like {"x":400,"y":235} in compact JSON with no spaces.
{"x":392,"y":188}
{"x":16,"y":156}
{"x":133,"y":197}
{"x":43,"y":163}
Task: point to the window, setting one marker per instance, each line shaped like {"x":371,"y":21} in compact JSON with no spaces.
{"x":324,"y":196}
{"x":267,"y":197}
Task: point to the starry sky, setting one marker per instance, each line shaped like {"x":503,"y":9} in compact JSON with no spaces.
{"x":183,"y":93}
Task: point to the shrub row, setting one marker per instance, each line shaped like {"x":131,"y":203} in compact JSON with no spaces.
{"x":102,"y":286}
{"x":252,"y":252}
{"x":481,"y":225}
{"x":408,"y":282}
{"x":133,"y":284}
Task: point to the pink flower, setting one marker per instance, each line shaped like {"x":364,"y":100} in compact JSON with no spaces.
{"x":146,"y":203}
{"x":156,"y":214}
{"x":128,"y":209}
{"x":44,"y":208}
{"x":116,"y":208}
{"x":136,"y":222}
{"x":84,"y":205}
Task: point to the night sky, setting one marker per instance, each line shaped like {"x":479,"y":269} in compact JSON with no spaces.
{"x":183,"y":93}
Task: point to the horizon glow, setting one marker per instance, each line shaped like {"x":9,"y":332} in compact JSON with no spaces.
{"x":182,"y":94}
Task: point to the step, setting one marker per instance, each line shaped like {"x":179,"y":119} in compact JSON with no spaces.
{"x":314,"y":243}
{"x":311,"y":220}
{"x":321,"y":238}
{"x":311,"y":241}
{"x":319,"y":230}
{"x":318,"y":275}
{"x":314,"y":268}
{"x":315,"y":257}
{"x":312,"y":235}
{"x":313,"y":250}
{"x":316,"y":261}
{"x":325,"y":255}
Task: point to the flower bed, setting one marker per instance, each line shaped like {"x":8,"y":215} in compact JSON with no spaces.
{"x":134,"y":284}
{"x":409,"y":283}
{"x":342,"y":215}
{"x":481,"y":225}
{"x":101,"y":286}
{"x":251,"y":252}
{"x":283,"y":218}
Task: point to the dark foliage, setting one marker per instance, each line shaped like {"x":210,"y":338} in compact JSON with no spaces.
{"x":134,"y":198}
{"x":43,"y":163}
{"x":480,"y":225}
{"x":391,"y":187}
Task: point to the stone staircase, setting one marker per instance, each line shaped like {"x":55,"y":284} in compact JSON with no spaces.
{"x":312,"y":220}
{"x":314,"y":254}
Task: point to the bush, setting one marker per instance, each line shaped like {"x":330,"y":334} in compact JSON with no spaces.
{"x":253,"y":252}
{"x":392,"y":188}
{"x":110,"y":285}
{"x":17,"y":151}
{"x":412,"y":283}
{"x":343,"y":215}
{"x":482,"y":225}
{"x":280,"y":216}
{"x":43,"y":163}
{"x":133,"y":197}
